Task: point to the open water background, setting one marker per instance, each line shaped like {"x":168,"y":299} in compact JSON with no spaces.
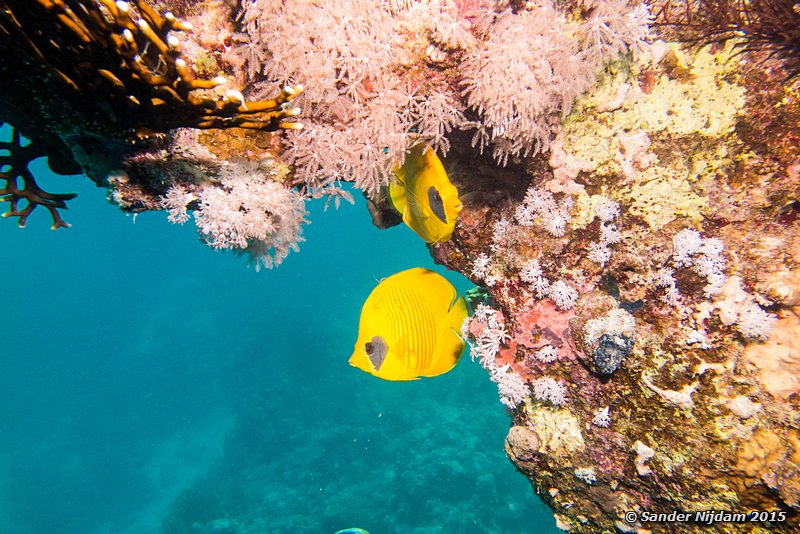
{"x":149,"y":384}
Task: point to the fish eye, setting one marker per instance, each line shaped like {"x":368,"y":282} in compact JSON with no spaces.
{"x":369,"y":347}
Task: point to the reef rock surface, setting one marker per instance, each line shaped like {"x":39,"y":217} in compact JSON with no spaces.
{"x":668,"y":379}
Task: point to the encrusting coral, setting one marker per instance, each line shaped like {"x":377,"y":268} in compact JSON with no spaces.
{"x":680,"y":339}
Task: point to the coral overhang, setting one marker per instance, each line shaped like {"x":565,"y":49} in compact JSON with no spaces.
{"x":695,"y":306}
{"x":91,"y":82}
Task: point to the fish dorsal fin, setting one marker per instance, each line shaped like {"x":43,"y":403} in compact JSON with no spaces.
{"x":436,"y":204}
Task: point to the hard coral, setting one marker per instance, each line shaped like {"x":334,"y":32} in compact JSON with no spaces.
{"x":127,"y":59}
{"x":16,"y":168}
{"x":88,"y":80}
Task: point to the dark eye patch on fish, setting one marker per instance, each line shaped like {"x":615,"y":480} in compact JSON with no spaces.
{"x":376,"y":351}
{"x":436,"y":204}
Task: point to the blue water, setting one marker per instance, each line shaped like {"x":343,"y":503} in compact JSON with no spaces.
{"x":149,"y":384}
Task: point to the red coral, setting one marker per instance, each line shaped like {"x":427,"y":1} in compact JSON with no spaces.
{"x":543,"y":324}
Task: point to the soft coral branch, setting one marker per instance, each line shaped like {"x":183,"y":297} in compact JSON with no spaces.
{"x":14,"y":168}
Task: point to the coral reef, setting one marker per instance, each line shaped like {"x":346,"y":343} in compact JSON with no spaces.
{"x":633,"y":220}
{"x":771,"y":27}
{"x":381,"y":79}
{"x":91,"y":82}
{"x":673,"y":387}
{"x":116,"y":85}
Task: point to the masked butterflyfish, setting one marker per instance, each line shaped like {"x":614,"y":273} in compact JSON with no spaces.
{"x":410,"y":326}
{"x":424,"y":195}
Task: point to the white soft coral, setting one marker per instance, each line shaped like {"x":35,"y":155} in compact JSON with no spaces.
{"x":251,"y":214}
{"x":703,"y":255}
{"x":564,"y":296}
{"x":176,"y":202}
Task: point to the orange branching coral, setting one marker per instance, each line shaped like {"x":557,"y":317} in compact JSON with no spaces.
{"x":125,"y":58}
{"x":15,"y":167}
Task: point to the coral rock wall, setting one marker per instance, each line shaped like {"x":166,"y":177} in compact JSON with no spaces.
{"x":675,"y":380}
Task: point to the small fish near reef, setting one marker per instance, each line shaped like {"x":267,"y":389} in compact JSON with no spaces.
{"x":352,"y":531}
{"x":424,"y":195}
{"x":410,"y":327}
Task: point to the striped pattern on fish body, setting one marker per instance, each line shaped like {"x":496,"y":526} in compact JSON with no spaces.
{"x":412,"y":323}
{"x":409,"y":327}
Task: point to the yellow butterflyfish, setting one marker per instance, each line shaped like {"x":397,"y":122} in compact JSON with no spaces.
{"x":410,"y":326}
{"x":424,"y":195}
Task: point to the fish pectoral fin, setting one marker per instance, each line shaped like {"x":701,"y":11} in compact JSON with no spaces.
{"x":407,"y":216}
{"x":410,"y":195}
{"x":423,"y":207}
{"x":458,"y":334}
{"x":410,"y":220}
{"x":422,"y":203}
